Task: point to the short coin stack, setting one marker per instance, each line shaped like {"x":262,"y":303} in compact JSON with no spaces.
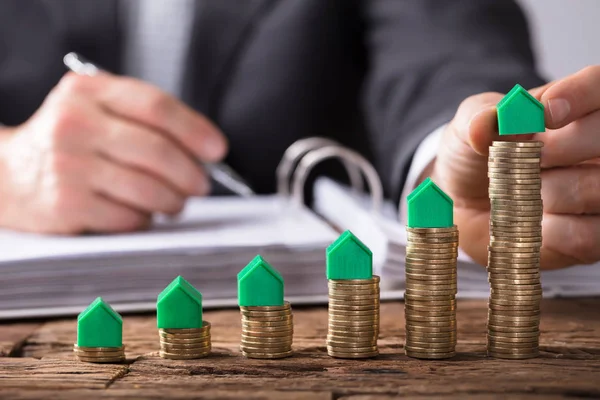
{"x":185,"y":343}
{"x":100,"y":354}
{"x":430,"y":299}
{"x":353,"y":318}
{"x":267,"y":331}
{"x":514,"y":249}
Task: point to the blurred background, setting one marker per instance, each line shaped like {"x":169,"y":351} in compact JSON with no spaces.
{"x":565,"y":33}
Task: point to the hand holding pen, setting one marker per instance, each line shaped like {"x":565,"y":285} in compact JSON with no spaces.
{"x":103,"y":154}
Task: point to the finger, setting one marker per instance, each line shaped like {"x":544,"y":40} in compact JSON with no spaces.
{"x":137,"y":146}
{"x":573,"y":236}
{"x":573,"y":190}
{"x":144,"y":103}
{"x":477,"y":122}
{"x":572,"y":144}
{"x":103,"y":215}
{"x":572,"y":98}
{"x":133,"y":188}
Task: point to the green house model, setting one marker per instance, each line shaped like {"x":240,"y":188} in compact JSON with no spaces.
{"x":259,"y":284}
{"x":179,"y":306}
{"x":99,"y":326}
{"x":520,"y":113}
{"x":429,"y":207}
{"x":349,"y":258}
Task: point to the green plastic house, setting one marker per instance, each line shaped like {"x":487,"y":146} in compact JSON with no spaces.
{"x":99,"y":326}
{"x":349,"y":258}
{"x":520,"y":113}
{"x":429,"y":207}
{"x":179,"y":306}
{"x":259,"y":284}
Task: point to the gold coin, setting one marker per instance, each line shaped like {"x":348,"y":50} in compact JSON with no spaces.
{"x":433,"y":231}
{"x":521,"y":144}
{"x":257,"y":342}
{"x":520,"y":160}
{"x":501,"y":308}
{"x":508,"y":204}
{"x":267,"y":355}
{"x":516,"y":342}
{"x":429,"y":272}
{"x":266,"y":314}
{"x":270,"y":334}
{"x":446,"y":257}
{"x":373,"y":279}
{"x":431,"y":346}
{"x":189,"y":331}
{"x":371,"y":332}
{"x":516,"y":152}
{"x":186,"y":356}
{"x":265,"y":348}
{"x":449,"y":238}
{"x":451,"y":246}
{"x":185,"y":341}
{"x":417,"y":260}
{"x":512,"y":329}
{"x":360,"y":341}
{"x":286,"y":306}
{"x":514,"y":186}
{"x":430,"y":329}
{"x":429,"y":354}
{"x":351,"y":309}
{"x":412,"y":338}
{"x":104,"y":360}
{"x":339,"y":354}
{"x":515,"y":335}
{"x":410,"y":282}
{"x":431,"y":292}
{"x":429,"y":299}
{"x":107,"y":349}
{"x":178,"y":348}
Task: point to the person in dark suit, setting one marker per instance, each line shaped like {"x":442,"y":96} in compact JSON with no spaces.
{"x":242,"y":80}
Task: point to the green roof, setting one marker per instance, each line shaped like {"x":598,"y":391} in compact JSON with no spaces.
{"x":99,"y":326}
{"x":259,"y":284}
{"x":520,"y":113}
{"x":349,"y":258}
{"x":429,"y":207}
{"x":179,"y":306}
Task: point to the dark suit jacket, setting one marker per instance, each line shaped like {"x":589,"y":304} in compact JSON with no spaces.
{"x":377,"y":75}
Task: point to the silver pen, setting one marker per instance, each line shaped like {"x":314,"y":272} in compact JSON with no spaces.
{"x":220,"y":172}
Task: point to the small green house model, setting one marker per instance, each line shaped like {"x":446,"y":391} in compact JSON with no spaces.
{"x":349,"y":258}
{"x":99,"y":326}
{"x":429,"y":207}
{"x":179,"y":306}
{"x":520,"y":113}
{"x":259,"y":284}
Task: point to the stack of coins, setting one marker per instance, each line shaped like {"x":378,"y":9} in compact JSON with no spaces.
{"x":267,"y":331}
{"x":100,"y":354}
{"x":514,"y":250}
{"x":185,"y":344}
{"x":353,"y":318}
{"x":430,"y":299}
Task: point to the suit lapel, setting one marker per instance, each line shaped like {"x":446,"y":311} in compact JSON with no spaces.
{"x":220,"y":27}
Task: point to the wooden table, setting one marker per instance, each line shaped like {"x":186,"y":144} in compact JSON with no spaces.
{"x":36,"y":361}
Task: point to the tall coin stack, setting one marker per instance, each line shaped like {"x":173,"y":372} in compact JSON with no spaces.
{"x":100,"y":354}
{"x":430,"y":299}
{"x":353,"y":318}
{"x":267,"y":331}
{"x":514,"y":249}
{"x":185,"y":343}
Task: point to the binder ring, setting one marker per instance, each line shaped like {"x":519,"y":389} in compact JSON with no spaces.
{"x":311,"y":159}
{"x":294,"y":154}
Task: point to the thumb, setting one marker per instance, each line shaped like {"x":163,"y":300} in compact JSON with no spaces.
{"x":476,"y":122}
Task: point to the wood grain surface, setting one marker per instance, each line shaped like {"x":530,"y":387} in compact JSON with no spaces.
{"x":36,"y":361}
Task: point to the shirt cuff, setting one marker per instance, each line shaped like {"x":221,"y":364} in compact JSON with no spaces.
{"x":424,"y":155}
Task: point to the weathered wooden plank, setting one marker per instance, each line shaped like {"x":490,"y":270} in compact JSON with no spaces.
{"x":12,"y":336}
{"x":160,"y":394}
{"x":55,"y":374}
{"x":569,"y":365}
